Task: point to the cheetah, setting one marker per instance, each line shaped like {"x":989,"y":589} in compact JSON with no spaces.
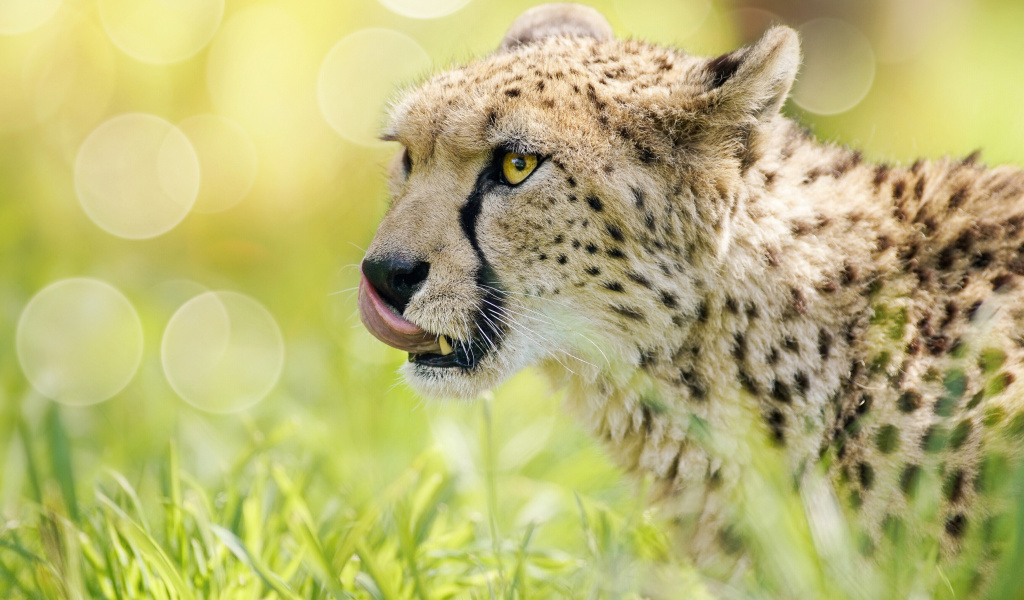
{"x":647,"y":229}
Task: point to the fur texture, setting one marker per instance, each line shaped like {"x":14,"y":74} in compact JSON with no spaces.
{"x":685,"y":256}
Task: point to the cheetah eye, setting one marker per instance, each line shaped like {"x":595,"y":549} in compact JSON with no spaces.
{"x":517,"y":167}
{"x":406,"y":162}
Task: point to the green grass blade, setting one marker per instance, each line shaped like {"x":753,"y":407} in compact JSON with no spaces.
{"x":156,"y":557}
{"x":60,"y":458}
{"x":272,"y":581}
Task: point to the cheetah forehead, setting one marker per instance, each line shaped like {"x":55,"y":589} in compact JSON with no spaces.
{"x":543,"y":94}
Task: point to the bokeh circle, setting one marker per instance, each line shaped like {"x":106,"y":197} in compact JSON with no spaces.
{"x":838,"y":68}
{"x":222,"y":352}
{"x":22,"y":16}
{"x":79,"y":341}
{"x":424,"y":9}
{"x":161,"y":31}
{"x":360,"y":73}
{"x":227,"y":161}
{"x":665,"y":22}
{"x":137,"y":176}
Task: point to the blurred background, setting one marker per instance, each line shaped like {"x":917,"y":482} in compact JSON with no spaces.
{"x":185,"y":191}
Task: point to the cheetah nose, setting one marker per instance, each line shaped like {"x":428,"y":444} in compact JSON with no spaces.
{"x":396,"y":279}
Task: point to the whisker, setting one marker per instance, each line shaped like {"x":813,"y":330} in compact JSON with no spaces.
{"x":351,"y":289}
{"x":539,"y":339}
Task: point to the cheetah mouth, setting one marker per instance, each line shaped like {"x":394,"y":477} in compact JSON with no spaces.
{"x":425,"y":348}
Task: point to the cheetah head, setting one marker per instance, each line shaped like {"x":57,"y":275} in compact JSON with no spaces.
{"x":555,"y":202}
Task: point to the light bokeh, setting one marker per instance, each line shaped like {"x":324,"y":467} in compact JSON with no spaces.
{"x":16,"y":111}
{"x":68,"y":78}
{"x":79,"y":341}
{"x":222,"y":352}
{"x":161,"y":31}
{"x":137,"y":176}
{"x":424,"y":9}
{"x":256,"y":70}
{"x":664,"y":22}
{"x":379,"y":59}
{"x":838,"y":67}
{"x":21,"y":16}
{"x":228,"y":161}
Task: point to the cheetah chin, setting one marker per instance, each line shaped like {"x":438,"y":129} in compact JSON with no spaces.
{"x":648,"y":229}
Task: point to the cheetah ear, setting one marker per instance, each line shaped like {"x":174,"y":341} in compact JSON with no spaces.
{"x":551,"y":20}
{"x":755,"y":81}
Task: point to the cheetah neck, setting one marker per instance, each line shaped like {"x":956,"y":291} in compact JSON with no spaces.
{"x":769,"y":331}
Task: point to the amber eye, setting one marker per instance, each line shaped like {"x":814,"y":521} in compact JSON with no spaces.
{"x":517,"y":167}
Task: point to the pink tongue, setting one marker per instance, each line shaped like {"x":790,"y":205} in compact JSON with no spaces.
{"x":391,"y":328}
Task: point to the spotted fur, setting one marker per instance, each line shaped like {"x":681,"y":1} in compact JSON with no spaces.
{"x":687,"y":260}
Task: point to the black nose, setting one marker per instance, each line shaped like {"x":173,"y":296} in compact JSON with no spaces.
{"x":396,"y":279}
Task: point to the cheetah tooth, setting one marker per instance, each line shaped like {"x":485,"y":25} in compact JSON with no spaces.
{"x":446,"y":348}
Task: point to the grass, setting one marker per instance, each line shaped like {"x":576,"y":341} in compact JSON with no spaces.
{"x":277,"y":525}
{"x":273,"y":528}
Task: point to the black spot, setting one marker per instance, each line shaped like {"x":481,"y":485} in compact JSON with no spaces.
{"x":614,"y":286}
{"x":595,"y":203}
{"x":592,"y":248}
{"x":957,"y":199}
{"x":638,"y":279}
{"x":790,"y":343}
{"x":780,"y":391}
{"x":628,"y":312}
{"x":731,"y":305}
{"x":919,"y":188}
{"x":512,"y":92}
{"x":562,"y":259}
{"x":881,"y":173}
{"x":572,"y":181}
{"x":953,"y":486}
{"x":747,"y":382}
{"x":638,"y":197}
{"x":739,"y":348}
{"x":616,"y":253}
{"x":909,"y":479}
{"x":898,"y":188}
{"x":864,"y":403}
{"x":824,"y":344}
{"x":887,"y":439}
{"x":956,"y":525}
{"x":649,"y":220}
{"x":799,"y":301}
{"x":777,"y":424}
{"x":593,"y":271}
{"x":615,"y":232}
{"x":960,"y":434}
{"x":668,"y":299}
{"x":803,"y":383}
{"x":1001,"y":281}
{"x":866,"y":474}
{"x":909,"y":401}
{"x":702,"y":312}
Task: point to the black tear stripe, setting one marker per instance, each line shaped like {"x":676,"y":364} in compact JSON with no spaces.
{"x":491,"y":329}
